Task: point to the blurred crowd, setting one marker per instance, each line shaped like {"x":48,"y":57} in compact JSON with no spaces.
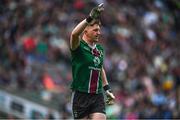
{"x":141,"y":39}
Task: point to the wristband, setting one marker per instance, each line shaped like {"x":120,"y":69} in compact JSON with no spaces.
{"x":89,"y":19}
{"x":107,"y":87}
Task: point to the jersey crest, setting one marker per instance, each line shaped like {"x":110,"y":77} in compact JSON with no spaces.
{"x":96,"y":61}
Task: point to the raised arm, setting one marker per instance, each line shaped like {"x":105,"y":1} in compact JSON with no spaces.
{"x":94,"y":14}
{"x":74,"y":39}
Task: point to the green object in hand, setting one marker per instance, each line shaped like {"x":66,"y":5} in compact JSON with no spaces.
{"x":95,"y":12}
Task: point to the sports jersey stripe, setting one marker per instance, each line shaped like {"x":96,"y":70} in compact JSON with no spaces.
{"x":94,"y":80}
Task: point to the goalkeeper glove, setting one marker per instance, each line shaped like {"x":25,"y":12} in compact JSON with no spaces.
{"x":109,"y":95}
{"x":95,"y":13}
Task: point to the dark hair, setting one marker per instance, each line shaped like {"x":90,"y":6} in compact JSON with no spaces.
{"x":97,"y":21}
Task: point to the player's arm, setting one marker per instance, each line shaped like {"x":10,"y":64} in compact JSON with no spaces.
{"x":104,"y":78}
{"x":107,"y":89}
{"x":74,"y":38}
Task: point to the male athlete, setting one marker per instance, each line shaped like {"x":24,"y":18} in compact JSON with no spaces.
{"x":88,"y":73}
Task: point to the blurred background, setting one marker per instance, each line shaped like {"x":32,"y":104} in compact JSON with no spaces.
{"x":141,"y":39}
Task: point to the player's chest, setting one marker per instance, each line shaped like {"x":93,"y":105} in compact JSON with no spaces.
{"x":91,"y":56}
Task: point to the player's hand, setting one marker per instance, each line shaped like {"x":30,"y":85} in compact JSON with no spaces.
{"x":109,"y":97}
{"x":95,"y":12}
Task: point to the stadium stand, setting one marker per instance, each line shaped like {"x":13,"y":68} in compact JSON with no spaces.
{"x":141,"y":38}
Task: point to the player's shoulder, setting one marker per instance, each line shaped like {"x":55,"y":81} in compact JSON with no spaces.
{"x":81,"y":44}
{"x":99,"y":46}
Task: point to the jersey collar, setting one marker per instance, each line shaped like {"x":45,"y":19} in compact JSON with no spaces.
{"x":92,"y":47}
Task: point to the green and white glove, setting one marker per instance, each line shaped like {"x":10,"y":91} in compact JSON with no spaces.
{"x":109,"y":95}
{"x":95,"y":12}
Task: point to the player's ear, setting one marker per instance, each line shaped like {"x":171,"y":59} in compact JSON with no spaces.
{"x":85,"y":30}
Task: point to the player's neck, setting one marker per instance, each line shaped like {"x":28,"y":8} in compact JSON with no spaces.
{"x":88,"y":41}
